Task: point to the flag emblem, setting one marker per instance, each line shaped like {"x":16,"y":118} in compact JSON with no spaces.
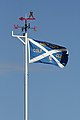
{"x":44,"y":52}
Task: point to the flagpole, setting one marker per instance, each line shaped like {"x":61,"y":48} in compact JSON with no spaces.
{"x":25,"y":43}
{"x":26,"y":76}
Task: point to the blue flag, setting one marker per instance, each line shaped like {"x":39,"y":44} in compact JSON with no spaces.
{"x":44,"y":52}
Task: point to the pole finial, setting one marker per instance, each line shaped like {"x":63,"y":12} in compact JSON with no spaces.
{"x":31,"y":14}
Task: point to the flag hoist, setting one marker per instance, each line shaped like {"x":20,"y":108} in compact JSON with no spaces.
{"x":24,"y":40}
{"x":38,"y":52}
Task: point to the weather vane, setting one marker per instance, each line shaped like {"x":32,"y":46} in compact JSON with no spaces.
{"x":27,"y":25}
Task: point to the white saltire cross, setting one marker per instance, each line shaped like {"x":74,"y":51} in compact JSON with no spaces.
{"x":47,"y":53}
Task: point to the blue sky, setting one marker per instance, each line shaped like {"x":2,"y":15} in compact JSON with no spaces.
{"x":54,"y":93}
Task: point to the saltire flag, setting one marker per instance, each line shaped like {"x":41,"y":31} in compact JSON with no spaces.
{"x":44,"y":52}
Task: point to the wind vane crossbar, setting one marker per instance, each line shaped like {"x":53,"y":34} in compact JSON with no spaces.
{"x":22,"y":18}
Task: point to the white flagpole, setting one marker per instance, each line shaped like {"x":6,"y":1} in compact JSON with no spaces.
{"x":25,"y":43}
{"x":25,"y":72}
{"x":26,"y":79}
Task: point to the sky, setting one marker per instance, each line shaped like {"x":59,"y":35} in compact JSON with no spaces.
{"x":53,"y":93}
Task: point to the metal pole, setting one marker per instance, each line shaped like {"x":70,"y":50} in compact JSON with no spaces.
{"x":26,"y":80}
{"x":25,"y":42}
{"x":25,"y":72}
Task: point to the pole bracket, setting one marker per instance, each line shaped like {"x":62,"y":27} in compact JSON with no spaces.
{"x":19,"y":37}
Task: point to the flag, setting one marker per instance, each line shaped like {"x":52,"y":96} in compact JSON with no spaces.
{"x":47,"y":53}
